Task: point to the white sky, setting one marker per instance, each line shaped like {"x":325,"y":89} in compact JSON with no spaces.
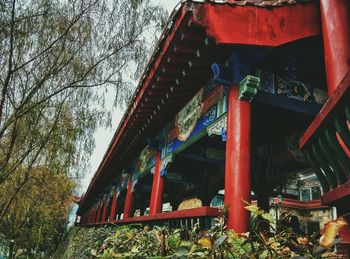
{"x":103,"y":136}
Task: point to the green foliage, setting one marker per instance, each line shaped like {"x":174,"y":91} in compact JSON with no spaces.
{"x":58,"y":60}
{"x":81,"y":241}
{"x":162,"y":242}
{"x":37,"y":217}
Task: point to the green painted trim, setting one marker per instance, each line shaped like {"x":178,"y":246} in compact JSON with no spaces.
{"x":324,"y":165}
{"x":216,"y":121}
{"x":321,"y":177}
{"x":332,"y":160}
{"x":248,"y":88}
{"x":195,"y":138}
{"x":343,"y":131}
{"x":333,"y":142}
{"x":347,"y":112}
{"x":190,"y":141}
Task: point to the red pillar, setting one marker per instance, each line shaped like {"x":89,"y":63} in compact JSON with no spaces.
{"x":89,"y":217}
{"x":156,"y":202}
{"x":100,"y":213}
{"x":104,"y":213}
{"x":237,"y":162}
{"x":335,"y":17}
{"x":128,"y":200}
{"x":94,"y":216}
{"x":113,"y":212}
{"x":98,"y":216}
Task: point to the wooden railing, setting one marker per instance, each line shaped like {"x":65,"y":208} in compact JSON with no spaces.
{"x":327,"y":144}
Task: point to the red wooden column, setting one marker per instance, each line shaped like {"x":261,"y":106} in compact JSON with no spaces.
{"x":100,"y":213}
{"x":128,"y":200}
{"x":94,"y":216}
{"x":104,"y":212}
{"x":335,"y":17}
{"x":113,"y":212}
{"x":98,"y":216}
{"x":88,"y":217}
{"x":156,"y":202}
{"x":237,"y":163}
{"x":91,"y":219}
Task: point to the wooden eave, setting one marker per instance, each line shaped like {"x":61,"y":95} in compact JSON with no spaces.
{"x":197,"y":35}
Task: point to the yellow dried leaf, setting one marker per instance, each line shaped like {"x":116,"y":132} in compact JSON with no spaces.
{"x":303,"y":241}
{"x":330,"y":231}
{"x":205,"y":242}
{"x":330,"y":255}
{"x":286,"y":250}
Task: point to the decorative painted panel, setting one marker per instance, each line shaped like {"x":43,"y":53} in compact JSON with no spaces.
{"x":218,"y":127}
{"x":144,"y":162}
{"x":191,"y":122}
{"x":291,"y":88}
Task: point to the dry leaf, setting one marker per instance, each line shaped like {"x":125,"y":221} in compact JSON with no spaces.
{"x":205,"y":242}
{"x":302,"y":241}
{"x":330,"y":231}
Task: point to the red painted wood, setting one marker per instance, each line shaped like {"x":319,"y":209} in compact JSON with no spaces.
{"x":337,"y":194}
{"x":104,"y":212}
{"x":129,"y":200}
{"x":138,"y":95}
{"x":342,"y":144}
{"x":94,"y":219}
{"x":113,"y":212}
{"x":327,"y":110}
{"x":344,"y":233}
{"x":253,"y":25}
{"x":190,"y":213}
{"x":156,"y":202}
{"x":273,"y":26}
{"x":92,"y":216}
{"x":307,"y":205}
{"x":89,"y":216}
{"x":98,"y":216}
{"x":335,"y":16}
{"x":237,"y":162}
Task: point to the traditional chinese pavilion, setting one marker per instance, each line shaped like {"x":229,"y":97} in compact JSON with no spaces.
{"x":237,"y":96}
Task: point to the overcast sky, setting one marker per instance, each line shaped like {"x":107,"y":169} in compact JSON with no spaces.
{"x":103,"y":136}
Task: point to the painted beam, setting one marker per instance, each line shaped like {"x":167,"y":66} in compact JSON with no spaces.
{"x":251,"y":25}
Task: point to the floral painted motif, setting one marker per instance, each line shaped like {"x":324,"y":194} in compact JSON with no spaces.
{"x":187,"y":118}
